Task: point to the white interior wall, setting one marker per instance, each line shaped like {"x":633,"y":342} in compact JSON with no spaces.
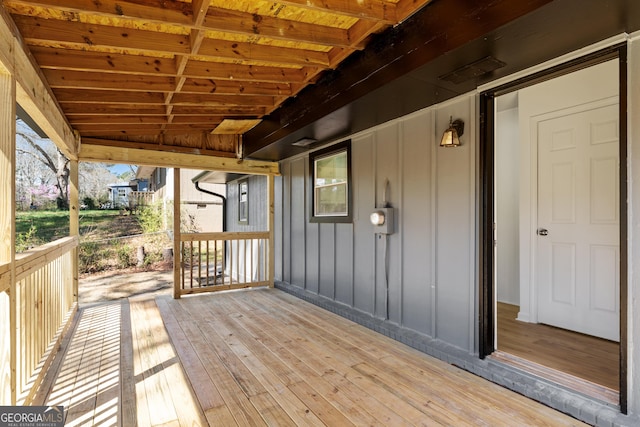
{"x":507,"y":178}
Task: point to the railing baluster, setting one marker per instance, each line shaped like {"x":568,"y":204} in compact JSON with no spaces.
{"x":199,"y":263}
{"x":251,"y":261}
{"x":191,"y":265}
{"x":180,"y":258}
{"x":207,"y":263}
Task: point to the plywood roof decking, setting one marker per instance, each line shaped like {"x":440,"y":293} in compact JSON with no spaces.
{"x":148,"y":70}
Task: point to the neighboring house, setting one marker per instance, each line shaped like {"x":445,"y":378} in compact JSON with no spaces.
{"x":200,"y":211}
{"x":245,"y":212}
{"x":119,"y":194}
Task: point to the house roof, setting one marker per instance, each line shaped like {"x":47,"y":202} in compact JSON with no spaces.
{"x":246,"y":79}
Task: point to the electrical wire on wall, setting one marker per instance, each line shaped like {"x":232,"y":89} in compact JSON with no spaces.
{"x":385,"y":204}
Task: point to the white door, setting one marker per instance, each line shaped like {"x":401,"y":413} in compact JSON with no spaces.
{"x":578,"y":221}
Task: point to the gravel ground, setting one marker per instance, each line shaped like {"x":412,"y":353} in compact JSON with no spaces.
{"x":124,"y":284}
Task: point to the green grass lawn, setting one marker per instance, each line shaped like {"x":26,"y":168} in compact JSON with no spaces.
{"x":52,"y":225}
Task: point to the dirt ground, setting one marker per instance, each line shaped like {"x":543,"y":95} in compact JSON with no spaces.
{"x":114,"y":285}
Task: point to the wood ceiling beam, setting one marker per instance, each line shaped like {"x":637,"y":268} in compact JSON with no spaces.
{"x":198,"y":19}
{"x":78,"y":120}
{"x":203,"y":144}
{"x":32,"y":92}
{"x":206,"y":69}
{"x":86,"y":108}
{"x":232,"y":110}
{"x":121,"y":97}
{"x":223,"y":100}
{"x":83,"y":60}
{"x":235,"y":87}
{"x":276,"y":28}
{"x":82,"y":36}
{"x":96,"y":80}
{"x":107,"y":97}
{"x":115,"y":119}
{"x":92,"y":109}
{"x":181,"y":12}
{"x":263,"y":53}
{"x":79,"y":59}
{"x":72,"y":79}
{"x":157,"y":11}
{"x":367,"y":9}
{"x":118,"y":129}
{"x":172,"y":159}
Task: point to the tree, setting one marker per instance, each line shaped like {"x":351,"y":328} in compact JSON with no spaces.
{"x":94,"y":181}
{"x":40,"y":165}
{"x":31,"y":145}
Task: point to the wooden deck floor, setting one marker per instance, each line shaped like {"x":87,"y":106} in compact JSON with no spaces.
{"x":262,"y":357}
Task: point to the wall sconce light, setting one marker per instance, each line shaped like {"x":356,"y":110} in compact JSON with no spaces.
{"x":451,"y":136}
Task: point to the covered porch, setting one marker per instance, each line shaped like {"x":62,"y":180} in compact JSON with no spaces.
{"x":261,"y":357}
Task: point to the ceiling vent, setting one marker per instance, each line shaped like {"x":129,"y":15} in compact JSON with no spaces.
{"x":473,"y":70}
{"x":304,"y":142}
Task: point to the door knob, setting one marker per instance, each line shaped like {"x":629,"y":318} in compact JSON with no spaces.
{"x":542,"y":231}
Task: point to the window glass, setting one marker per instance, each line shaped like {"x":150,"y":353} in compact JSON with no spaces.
{"x":243,"y":201}
{"x":330,"y":190}
{"x":331,"y":185}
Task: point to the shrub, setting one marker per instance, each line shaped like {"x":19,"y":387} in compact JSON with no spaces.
{"x":28,"y":240}
{"x":150,"y":218}
{"x":123,"y":254}
{"x":89,"y":203}
{"x":90,"y":257}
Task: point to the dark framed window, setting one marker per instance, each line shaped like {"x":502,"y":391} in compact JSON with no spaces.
{"x":243,"y":201}
{"x":330,"y":171}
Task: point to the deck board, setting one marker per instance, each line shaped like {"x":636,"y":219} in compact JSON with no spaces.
{"x":263,"y":357}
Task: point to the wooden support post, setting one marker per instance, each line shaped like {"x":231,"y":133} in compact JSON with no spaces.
{"x":177,"y":255}
{"x":272,"y":244}
{"x":8,"y":300}
{"x":74,"y":220}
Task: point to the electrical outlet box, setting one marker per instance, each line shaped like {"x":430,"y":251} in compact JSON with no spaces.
{"x":382,"y":220}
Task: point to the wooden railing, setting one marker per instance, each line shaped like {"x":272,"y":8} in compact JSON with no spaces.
{"x":212,"y":262}
{"x":43,"y":302}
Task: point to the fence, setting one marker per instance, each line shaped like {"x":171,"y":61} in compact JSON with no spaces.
{"x":138,"y":199}
{"x":212,"y":262}
{"x":33,"y":319}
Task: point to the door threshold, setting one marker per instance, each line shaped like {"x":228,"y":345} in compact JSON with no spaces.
{"x":571,"y":382}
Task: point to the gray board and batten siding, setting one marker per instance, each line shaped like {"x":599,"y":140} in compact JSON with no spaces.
{"x":257,"y":215}
{"x":430,"y":259}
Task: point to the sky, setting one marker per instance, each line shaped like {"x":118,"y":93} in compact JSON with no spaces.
{"x":119,"y":169}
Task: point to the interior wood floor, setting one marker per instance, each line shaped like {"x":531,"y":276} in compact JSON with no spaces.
{"x":262,"y":357}
{"x":589,"y":358}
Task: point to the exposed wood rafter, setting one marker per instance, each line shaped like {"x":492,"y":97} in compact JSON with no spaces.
{"x":133,"y":70}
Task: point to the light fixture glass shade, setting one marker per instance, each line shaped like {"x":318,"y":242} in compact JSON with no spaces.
{"x":451,"y":136}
